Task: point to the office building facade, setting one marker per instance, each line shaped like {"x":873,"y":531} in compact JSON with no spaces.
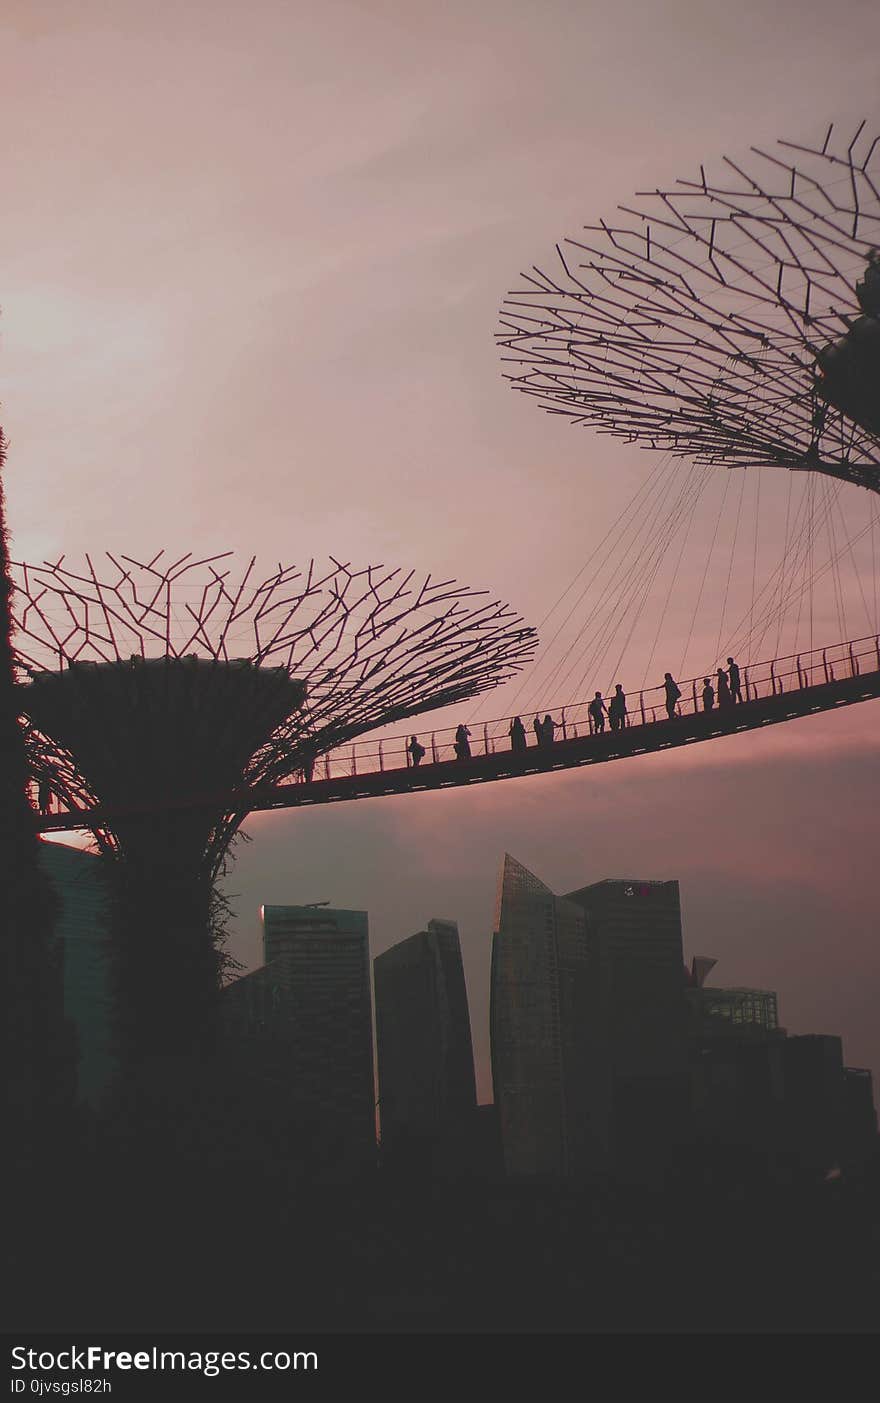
{"x":303,"y":1023}
{"x":427,"y":1089}
{"x":546,"y":1072}
{"x":638,"y":987}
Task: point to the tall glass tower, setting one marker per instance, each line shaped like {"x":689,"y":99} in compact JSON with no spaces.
{"x":305,"y":1018}
{"x":427,"y":1090}
{"x":635,"y":930}
{"x":547,"y":1076}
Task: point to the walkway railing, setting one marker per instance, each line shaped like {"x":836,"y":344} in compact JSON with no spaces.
{"x":777,"y":690}
{"x":772,"y":677}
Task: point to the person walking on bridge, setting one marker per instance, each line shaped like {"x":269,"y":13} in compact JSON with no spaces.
{"x":517,"y":733}
{"x":724,"y":697}
{"x":416,"y":751}
{"x":548,"y":730}
{"x":538,"y":728}
{"x":598,"y":713}
{"x":735,"y":687}
{"x":708,"y":695}
{"x":617,"y":709}
{"x":462,"y":743}
{"x":672,"y":694}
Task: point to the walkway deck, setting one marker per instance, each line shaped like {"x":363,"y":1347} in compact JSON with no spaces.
{"x":637,"y":739}
{"x":583,"y":750}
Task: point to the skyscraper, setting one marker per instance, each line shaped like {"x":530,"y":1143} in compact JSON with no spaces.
{"x":815,"y":1097}
{"x":547,"y":1073}
{"x":306,"y":1018}
{"x":635,"y":930}
{"x":427,"y":1091}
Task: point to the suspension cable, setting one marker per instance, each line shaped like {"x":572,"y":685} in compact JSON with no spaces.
{"x":607,"y":603}
{"x":791,"y":593}
{"x":705,"y":573}
{"x":784,"y":558}
{"x":630,"y":586}
{"x":856,"y":570}
{"x":645,"y":490}
{"x":755,"y":555}
{"x":730,"y":567}
{"x":686,"y":536}
{"x":650,"y":574}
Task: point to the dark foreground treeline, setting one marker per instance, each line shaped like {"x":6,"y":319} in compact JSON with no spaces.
{"x":161,"y":1224}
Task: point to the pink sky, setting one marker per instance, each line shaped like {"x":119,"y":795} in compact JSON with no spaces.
{"x":253,"y":257}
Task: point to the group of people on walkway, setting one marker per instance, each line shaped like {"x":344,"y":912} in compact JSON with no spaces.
{"x":615,"y":711}
{"x":462,"y":747}
{"x":727,"y":691}
{"x":545,"y":734}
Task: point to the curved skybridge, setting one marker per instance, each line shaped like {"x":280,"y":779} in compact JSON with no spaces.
{"x":780,"y":689}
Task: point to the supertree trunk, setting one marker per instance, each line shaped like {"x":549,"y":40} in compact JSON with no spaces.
{"x":161,"y":732}
{"x":37,"y":1063}
{"x":166,"y":964}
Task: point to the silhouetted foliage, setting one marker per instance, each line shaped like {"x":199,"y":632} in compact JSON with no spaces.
{"x":39,"y":1048}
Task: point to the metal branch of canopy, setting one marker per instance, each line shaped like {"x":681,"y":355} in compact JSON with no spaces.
{"x":697,"y":322}
{"x":151,"y":672}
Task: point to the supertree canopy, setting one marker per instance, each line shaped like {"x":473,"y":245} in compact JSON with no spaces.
{"x":733,"y":320}
{"x":159,"y":692}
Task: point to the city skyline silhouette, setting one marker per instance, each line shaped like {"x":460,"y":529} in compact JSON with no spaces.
{"x":254,"y":260}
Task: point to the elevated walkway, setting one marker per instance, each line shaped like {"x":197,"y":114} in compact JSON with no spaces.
{"x":639,"y":739}
{"x":772,"y":694}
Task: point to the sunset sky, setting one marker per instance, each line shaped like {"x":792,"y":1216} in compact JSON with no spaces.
{"x":253,"y":257}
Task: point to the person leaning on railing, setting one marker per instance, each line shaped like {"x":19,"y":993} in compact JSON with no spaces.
{"x":673,"y":693}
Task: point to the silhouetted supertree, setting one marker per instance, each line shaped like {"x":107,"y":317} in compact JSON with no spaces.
{"x":32,"y":990}
{"x":162,"y":693}
{"x":733,"y":320}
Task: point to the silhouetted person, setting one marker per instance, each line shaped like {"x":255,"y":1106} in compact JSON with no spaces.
{"x":44,"y":797}
{"x":462,"y":743}
{"x":708,"y":695}
{"x":672,"y":694}
{"x":617,"y":709}
{"x":517,"y":733}
{"x":416,"y":751}
{"x":538,"y":728}
{"x":308,"y":766}
{"x":724,"y":697}
{"x":598,"y":713}
{"x":548,"y":730}
{"x":735,"y":687}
